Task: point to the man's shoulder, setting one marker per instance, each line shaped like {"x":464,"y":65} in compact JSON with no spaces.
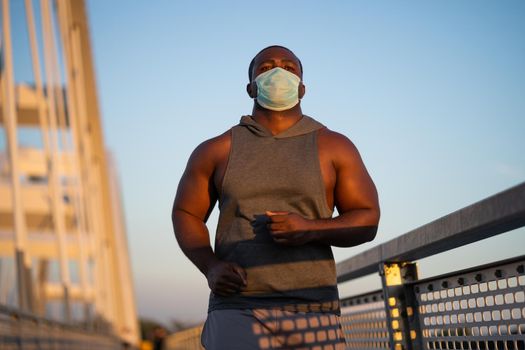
{"x":337,"y":148}
{"x":217,"y":141}
{"x":329,"y":138}
{"x":214,"y":148}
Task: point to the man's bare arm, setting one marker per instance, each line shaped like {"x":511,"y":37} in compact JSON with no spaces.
{"x":355,"y":197}
{"x":195,"y":199}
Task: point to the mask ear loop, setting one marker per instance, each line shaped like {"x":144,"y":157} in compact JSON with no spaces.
{"x":302,"y":90}
{"x":251,"y":89}
{"x":254,"y":90}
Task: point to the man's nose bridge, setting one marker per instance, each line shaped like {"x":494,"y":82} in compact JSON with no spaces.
{"x":279,"y":63}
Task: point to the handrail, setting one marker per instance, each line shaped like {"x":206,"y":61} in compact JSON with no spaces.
{"x":25,"y":323}
{"x":494,"y":215}
{"x":20,"y":314}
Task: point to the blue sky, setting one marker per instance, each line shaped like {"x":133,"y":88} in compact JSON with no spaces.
{"x":431,"y":93}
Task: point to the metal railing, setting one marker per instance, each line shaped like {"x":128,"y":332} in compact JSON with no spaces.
{"x":21,"y":331}
{"x":478,"y":308}
{"x":187,"y":339}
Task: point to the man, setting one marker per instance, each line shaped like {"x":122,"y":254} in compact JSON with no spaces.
{"x":277,"y":177}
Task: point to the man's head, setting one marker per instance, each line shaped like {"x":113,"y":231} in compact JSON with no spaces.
{"x":271,"y":53}
{"x":272,"y":57}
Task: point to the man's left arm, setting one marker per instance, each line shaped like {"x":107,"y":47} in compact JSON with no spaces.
{"x":356,"y":200}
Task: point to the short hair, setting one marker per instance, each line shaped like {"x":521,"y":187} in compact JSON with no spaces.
{"x":250,"y":68}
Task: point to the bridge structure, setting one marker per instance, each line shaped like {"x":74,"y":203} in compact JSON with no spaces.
{"x":65,"y":277}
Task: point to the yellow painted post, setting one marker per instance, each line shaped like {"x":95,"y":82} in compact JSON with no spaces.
{"x":401,"y":321}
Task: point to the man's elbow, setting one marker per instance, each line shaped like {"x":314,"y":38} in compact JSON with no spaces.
{"x":370,"y":233}
{"x":356,"y":236}
{"x":374,"y":223}
{"x":178,"y":218}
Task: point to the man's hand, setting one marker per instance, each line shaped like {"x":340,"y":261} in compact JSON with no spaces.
{"x":289,"y":228}
{"x":225,"y":278}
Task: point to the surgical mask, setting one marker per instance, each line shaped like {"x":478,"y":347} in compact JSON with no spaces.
{"x":277,"y":89}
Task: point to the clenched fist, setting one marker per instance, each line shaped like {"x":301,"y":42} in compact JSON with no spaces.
{"x":289,"y":228}
{"x":226,"y":278}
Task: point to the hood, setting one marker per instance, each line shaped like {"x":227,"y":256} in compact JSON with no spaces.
{"x":305,"y":125}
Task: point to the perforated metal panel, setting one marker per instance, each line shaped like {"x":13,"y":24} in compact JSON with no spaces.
{"x":474,"y":309}
{"x":364,"y":321}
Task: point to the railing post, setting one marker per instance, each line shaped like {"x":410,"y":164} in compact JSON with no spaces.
{"x":400,"y":305}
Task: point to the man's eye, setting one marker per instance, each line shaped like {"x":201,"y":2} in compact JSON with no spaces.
{"x":264,"y":68}
{"x":290,"y":68}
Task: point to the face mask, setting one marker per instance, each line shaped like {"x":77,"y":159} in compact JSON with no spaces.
{"x":277,"y":89}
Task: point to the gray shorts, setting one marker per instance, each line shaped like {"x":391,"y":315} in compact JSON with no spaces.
{"x":247,"y":329}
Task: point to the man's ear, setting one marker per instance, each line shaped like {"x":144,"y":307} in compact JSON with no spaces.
{"x":251,"y":89}
{"x":302,"y":90}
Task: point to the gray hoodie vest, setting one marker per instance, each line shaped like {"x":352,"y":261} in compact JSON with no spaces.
{"x":276,"y":173}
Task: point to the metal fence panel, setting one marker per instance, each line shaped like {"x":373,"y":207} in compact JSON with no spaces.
{"x":482,"y":308}
{"x":364,"y":322}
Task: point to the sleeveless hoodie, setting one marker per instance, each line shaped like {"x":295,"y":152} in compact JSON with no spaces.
{"x":280,"y":172}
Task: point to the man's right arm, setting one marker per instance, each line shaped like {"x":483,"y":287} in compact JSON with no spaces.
{"x":195,"y":199}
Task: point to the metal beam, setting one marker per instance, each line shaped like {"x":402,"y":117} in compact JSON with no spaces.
{"x":494,"y":215}
{"x":9,"y":111}
{"x":56,"y":195}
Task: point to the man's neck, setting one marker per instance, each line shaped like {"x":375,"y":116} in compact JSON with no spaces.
{"x":277,"y":122}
